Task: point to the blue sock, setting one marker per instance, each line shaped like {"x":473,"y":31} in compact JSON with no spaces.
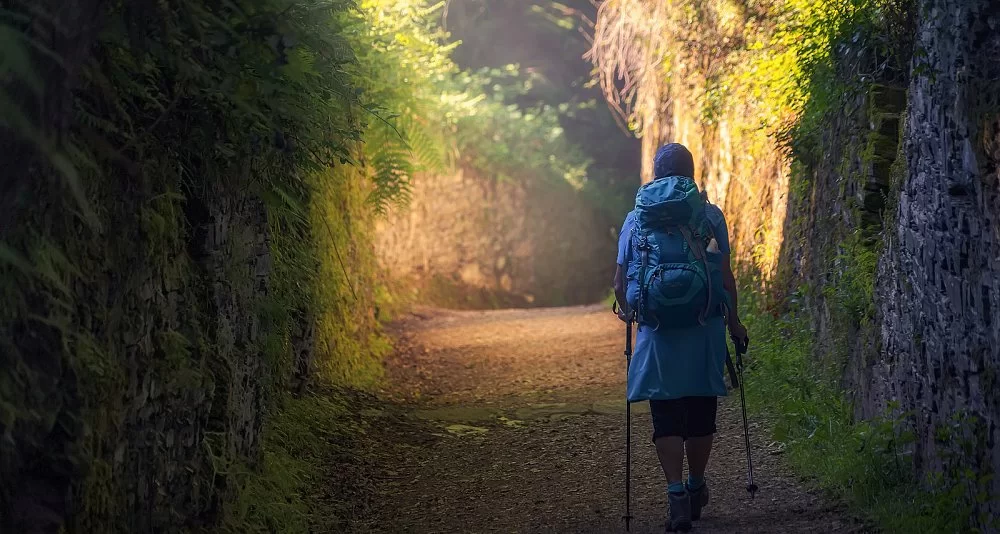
{"x":676,"y":487}
{"x":695,"y":483}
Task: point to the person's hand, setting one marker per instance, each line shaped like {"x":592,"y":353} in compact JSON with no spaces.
{"x":625,"y":316}
{"x":739,"y":334}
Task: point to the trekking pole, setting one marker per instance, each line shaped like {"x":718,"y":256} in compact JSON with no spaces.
{"x":628,"y":430}
{"x":741,"y":349}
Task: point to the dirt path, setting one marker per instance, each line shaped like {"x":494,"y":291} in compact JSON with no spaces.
{"x":516,"y":424}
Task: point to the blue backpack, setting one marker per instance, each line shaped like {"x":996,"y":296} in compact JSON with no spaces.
{"x":679,"y":279}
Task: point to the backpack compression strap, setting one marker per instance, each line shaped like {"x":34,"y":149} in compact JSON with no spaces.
{"x":699,"y":253}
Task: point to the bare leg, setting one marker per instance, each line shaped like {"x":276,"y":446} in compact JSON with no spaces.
{"x":698,"y":451}
{"x":670,"y":451}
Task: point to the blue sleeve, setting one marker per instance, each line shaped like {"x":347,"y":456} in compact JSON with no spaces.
{"x":625,"y":241}
{"x":719,"y":228}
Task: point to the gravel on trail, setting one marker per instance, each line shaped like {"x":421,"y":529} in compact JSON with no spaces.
{"x":514,"y":421}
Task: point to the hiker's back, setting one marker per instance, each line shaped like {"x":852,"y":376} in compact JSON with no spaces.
{"x":675,"y":277}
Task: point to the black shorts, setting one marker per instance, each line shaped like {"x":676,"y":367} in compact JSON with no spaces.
{"x":687,"y":417}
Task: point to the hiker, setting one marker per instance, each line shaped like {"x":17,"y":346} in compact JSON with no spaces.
{"x":679,"y":243}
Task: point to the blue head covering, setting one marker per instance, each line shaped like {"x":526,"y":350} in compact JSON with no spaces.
{"x":673,"y":159}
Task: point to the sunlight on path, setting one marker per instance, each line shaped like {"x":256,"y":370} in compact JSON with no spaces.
{"x":518,"y":426}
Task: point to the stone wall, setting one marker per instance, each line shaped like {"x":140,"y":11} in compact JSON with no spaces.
{"x":837,"y":207}
{"x":939,"y":281}
{"x":159,"y":375}
{"x":146,"y":323}
{"x":527,"y":243}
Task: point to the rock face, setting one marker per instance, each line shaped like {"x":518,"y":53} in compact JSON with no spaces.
{"x":134,"y":363}
{"x":537,"y":243}
{"x":939,"y":280}
{"x":180,"y":359}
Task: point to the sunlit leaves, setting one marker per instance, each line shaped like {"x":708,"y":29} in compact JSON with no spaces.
{"x":406,"y":66}
{"x":763,"y":56}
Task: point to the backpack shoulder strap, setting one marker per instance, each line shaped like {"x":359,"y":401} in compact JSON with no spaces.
{"x":642,"y":244}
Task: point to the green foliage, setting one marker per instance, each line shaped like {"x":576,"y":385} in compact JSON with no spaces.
{"x":866,"y":462}
{"x":837,"y":49}
{"x":349,"y":344}
{"x":964,"y":489}
{"x":402,"y":64}
{"x":533,"y":53}
{"x":303,"y":455}
{"x":439,"y":110}
{"x":392,"y":164}
{"x":853,"y":294}
{"x":512,"y":142}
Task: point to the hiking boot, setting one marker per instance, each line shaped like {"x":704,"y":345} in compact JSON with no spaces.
{"x":680,"y":512}
{"x":699,"y":498}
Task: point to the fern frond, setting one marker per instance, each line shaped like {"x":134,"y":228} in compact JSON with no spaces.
{"x":426,"y":144}
{"x":390,"y":165}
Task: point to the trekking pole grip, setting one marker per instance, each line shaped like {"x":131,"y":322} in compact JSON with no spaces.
{"x":740,"y":344}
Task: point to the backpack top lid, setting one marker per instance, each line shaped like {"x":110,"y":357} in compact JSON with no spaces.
{"x":670,"y":201}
